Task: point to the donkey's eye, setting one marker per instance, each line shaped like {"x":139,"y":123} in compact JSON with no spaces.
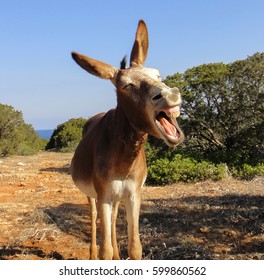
{"x":128,"y":86}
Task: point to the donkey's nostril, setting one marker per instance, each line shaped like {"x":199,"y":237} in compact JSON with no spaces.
{"x":157,"y":97}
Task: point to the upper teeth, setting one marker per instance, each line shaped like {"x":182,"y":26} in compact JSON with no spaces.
{"x":173,"y":112}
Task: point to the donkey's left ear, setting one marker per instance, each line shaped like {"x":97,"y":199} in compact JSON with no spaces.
{"x":140,"y":48}
{"x":95,"y":67}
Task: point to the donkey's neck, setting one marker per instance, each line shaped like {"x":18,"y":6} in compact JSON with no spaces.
{"x":130,"y":140}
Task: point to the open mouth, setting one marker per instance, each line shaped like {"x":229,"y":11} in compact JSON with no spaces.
{"x":168,"y":126}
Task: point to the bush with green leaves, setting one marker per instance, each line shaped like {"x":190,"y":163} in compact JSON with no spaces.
{"x":67,"y":136}
{"x":17,"y":137}
{"x":163,"y":171}
{"x":248,"y":172}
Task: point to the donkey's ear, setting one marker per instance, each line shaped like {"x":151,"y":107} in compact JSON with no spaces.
{"x":95,"y":67}
{"x":140,"y":47}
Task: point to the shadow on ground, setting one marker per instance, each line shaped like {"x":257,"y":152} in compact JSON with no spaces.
{"x":64,"y":170}
{"x":220,"y":227}
{"x":6,"y":252}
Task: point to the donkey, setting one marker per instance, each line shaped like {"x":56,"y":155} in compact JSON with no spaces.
{"x":109,"y":164}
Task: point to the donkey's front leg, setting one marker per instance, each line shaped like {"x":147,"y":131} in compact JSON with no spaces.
{"x":114,"y":239}
{"x":106,"y":249}
{"x":132,"y":210}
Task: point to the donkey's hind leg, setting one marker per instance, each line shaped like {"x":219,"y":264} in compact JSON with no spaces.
{"x":93,"y":216}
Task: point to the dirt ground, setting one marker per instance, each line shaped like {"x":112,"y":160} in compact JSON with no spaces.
{"x":44,"y":216}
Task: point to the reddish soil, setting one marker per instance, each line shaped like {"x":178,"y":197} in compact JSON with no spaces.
{"x":44,"y":216}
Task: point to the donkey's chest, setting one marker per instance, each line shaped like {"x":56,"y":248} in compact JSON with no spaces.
{"x":126,"y":184}
{"x":123,"y":189}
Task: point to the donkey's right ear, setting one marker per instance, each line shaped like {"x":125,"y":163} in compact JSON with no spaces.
{"x":140,"y":48}
{"x":95,"y":67}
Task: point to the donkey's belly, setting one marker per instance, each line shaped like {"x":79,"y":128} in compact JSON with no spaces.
{"x":86,"y":188}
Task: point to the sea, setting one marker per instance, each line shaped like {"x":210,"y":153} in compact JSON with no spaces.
{"x":45,"y":133}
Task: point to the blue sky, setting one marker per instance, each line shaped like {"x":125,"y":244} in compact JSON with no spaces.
{"x":39,"y":77}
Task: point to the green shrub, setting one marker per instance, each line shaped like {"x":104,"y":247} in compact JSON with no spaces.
{"x":167,"y":166}
{"x":164,"y":171}
{"x":16,"y":137}
{"x":248,"y":172}
{"x":67,"y":136}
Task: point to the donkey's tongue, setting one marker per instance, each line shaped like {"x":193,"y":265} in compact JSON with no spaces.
{"x":169,"y":128}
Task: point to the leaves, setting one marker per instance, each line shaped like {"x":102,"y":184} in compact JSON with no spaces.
{"x":67,"y":136}
{"x":223,"y":109}
{"x":163,"y":171}
{"x":16,"y":137}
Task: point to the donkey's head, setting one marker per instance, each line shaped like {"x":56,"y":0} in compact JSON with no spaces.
{"x":149,"y":105}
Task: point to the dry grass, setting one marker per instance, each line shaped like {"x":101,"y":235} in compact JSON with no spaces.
{"x":43,"y":216}
{"x":210,"y":220}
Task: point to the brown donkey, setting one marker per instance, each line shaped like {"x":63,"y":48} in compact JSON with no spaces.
{"x":109,"y":164}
